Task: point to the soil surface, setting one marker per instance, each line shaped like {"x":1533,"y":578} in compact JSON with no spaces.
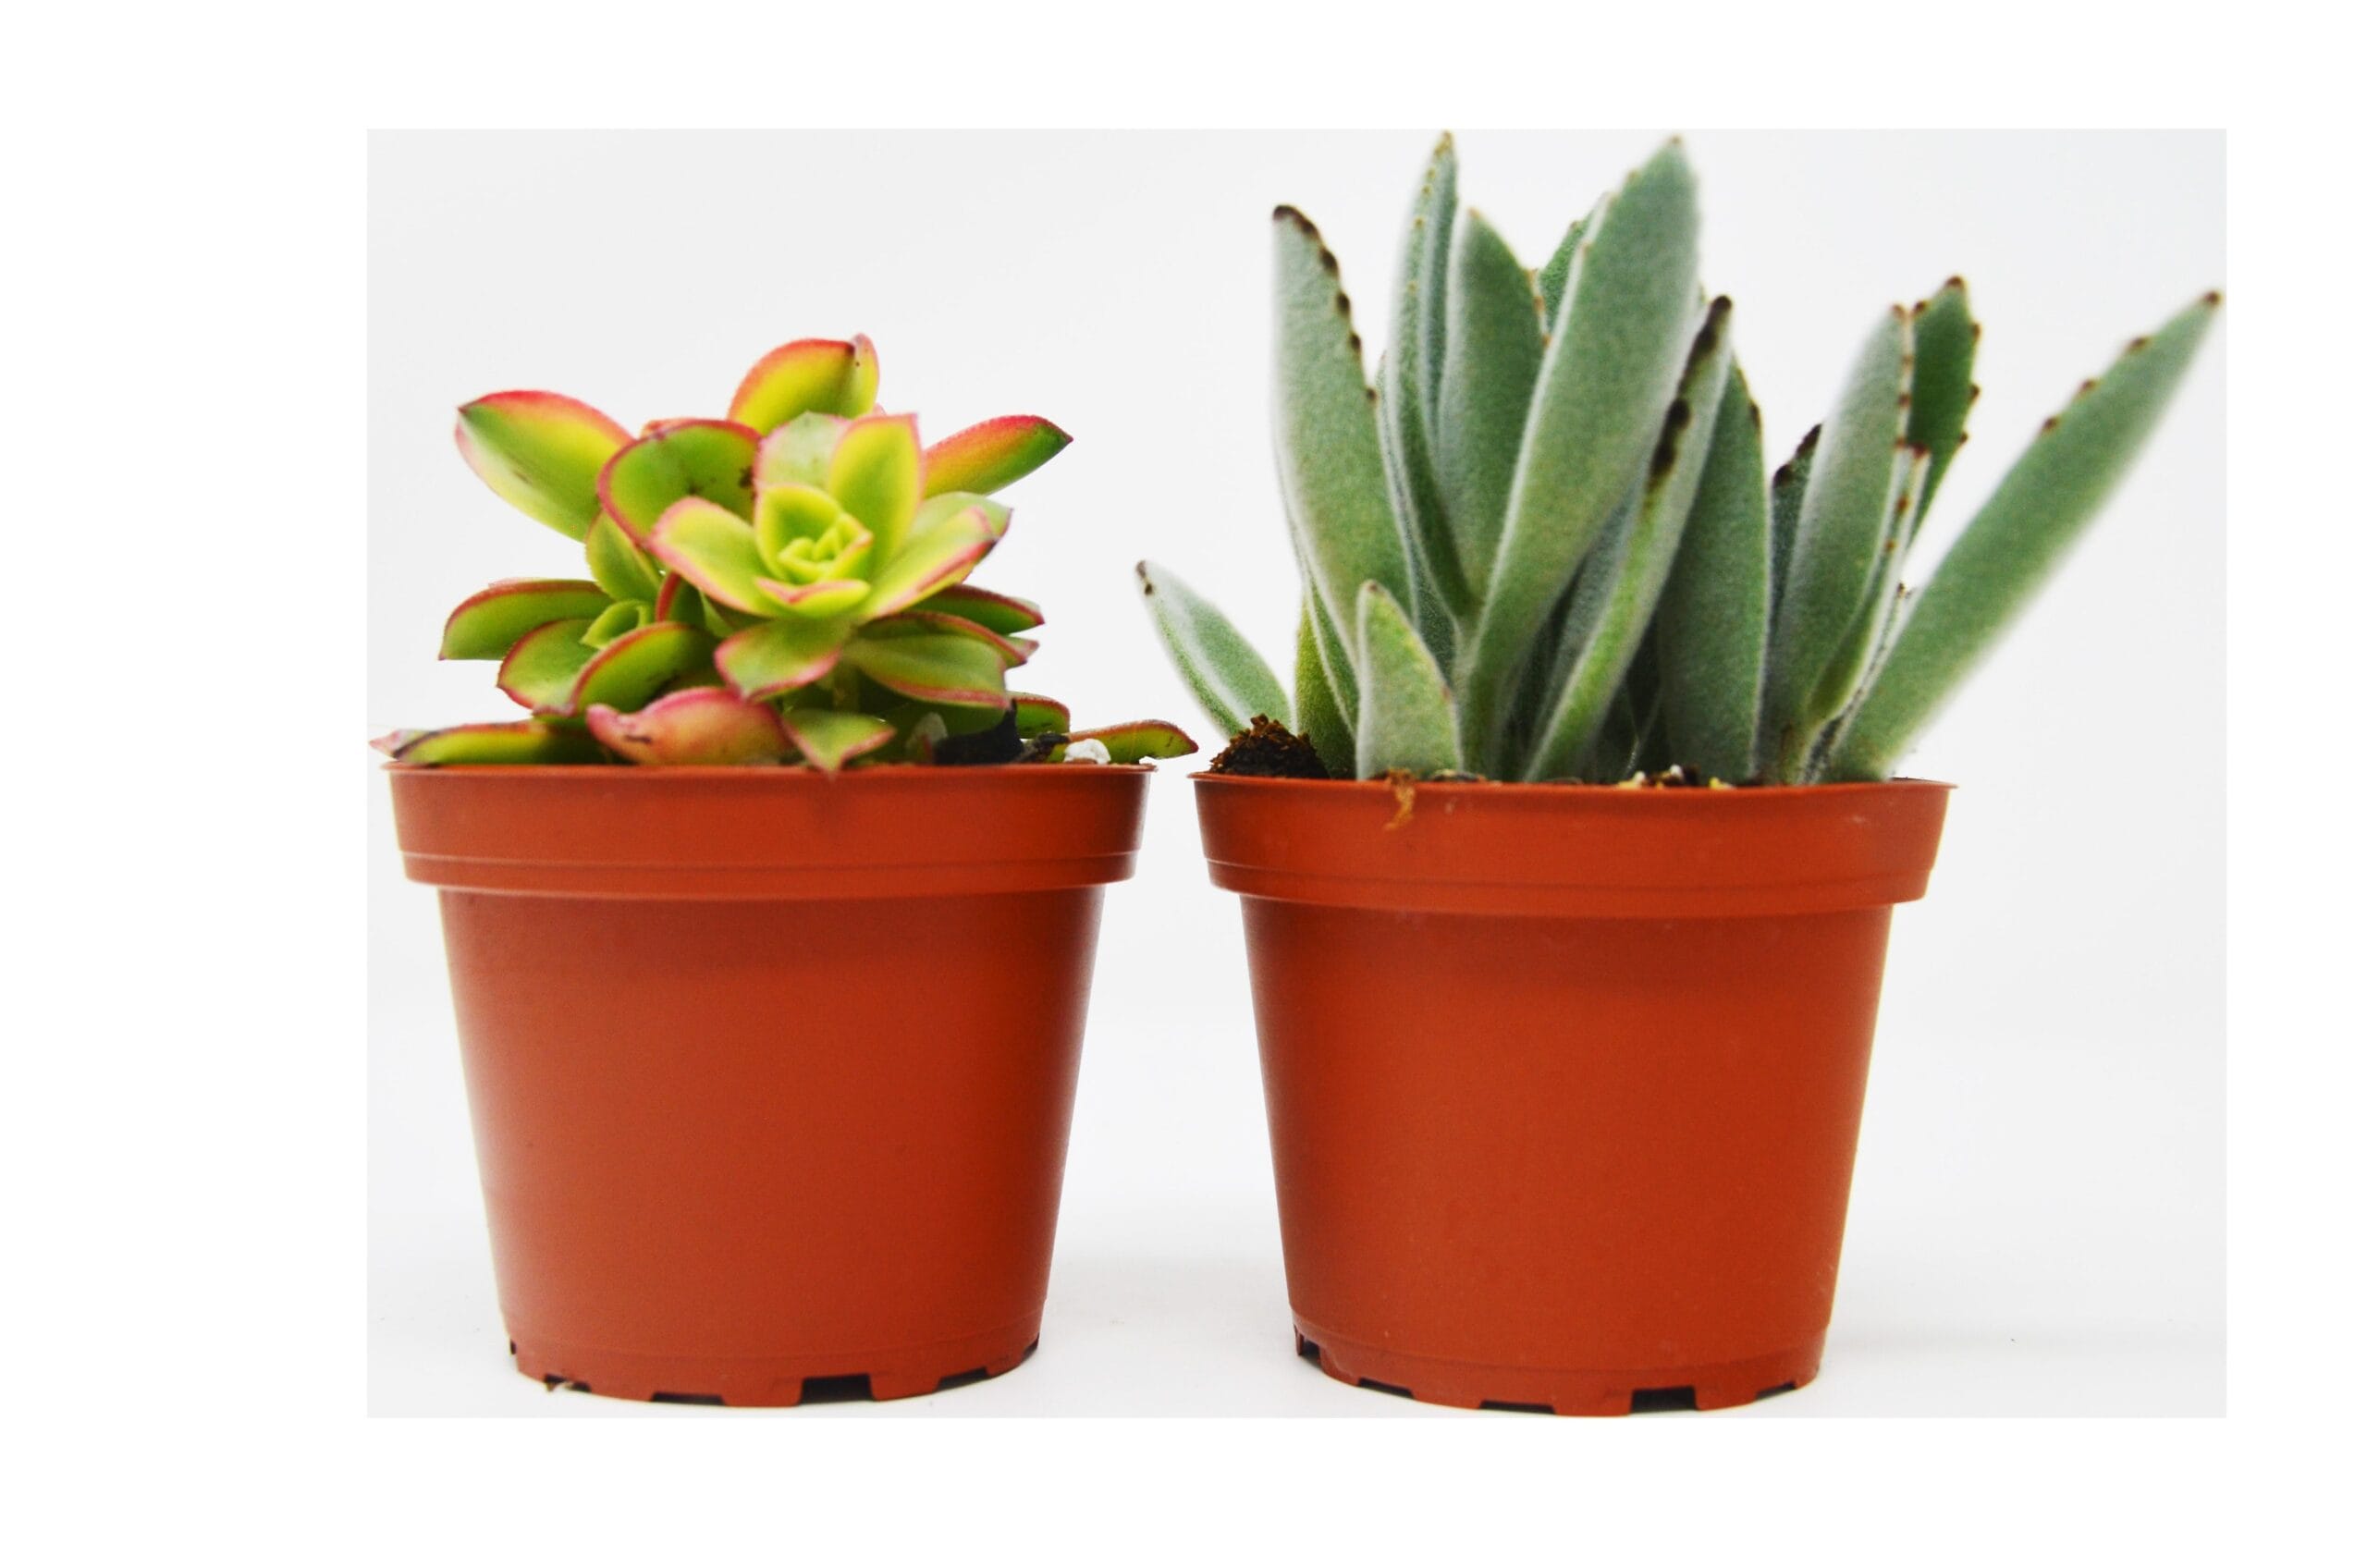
{"x":1266,"y":750}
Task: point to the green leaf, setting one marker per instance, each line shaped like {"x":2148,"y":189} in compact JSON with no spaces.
{"x":1326,"y":443}
{"x":773,"y":657}
{"x":1785,"y":491}
{"x":811,"y":375}
{"x":540,"y":670}
{"x":705,"y":725}
{"x":1554,"y":278}
{"x":1141,"y":740}
{"x":1861,"y":465}
{"x":2014,"y":541}
{"x":715,"y":550}
{"x":1610,"y":371}
{"x":1339,"y":665}
{"x":1231,"y":682}
{"x":799,"y":452}
{"x":830,"y":740}
{"x":876,"y":473}
{"x":983,"y":459}
{"x":1711,"y":628}
{"x":1317,"y":714}
{"x":1493,"y":348}
{"x":618,"y":564}
{"x":995,"y":612}
{"x":945,"y":670}
{"x":638,"y":666}
{"x":711,"y":459}
{"x":542,"y":453}
{"x":1851,"y":660}
{"x":938,"y":553}
{"x":929,"y":621}
{"x":625,"y":615}
{"x":1407,"y":717}
{"x":526,"y":740}
{"x":1945,"y":339}
{"x":1038,"y":716}
{"x":1411,"y":379}
{"x":1621,"y":583}
{"x":487,"y":624}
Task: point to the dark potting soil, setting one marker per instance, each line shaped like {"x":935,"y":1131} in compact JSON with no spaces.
{"x":1266,"y":750}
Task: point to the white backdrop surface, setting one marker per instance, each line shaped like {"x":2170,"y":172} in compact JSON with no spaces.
{"x":2039,"y":1220}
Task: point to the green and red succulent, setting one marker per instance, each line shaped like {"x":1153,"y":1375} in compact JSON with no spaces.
{"x":785,"y":584}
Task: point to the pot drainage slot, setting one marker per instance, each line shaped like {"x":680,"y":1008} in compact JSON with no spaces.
{"x":1385,"y":1388}
{"x":1654,"y":1401}
{"x":1771,"y":1393}
{"x":662,"y":1397}
{"x":961,"y":1380}
{"x":1515,"y":1405}
{"x":554,"y":1381}
{"x":836,"y":1390}
{"x":1310,"y":1351}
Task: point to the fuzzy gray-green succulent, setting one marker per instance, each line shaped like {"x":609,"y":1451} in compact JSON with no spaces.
{"x":1545,"y":546}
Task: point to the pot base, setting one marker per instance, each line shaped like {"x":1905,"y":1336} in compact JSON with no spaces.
{"x":1557,"y":1390}
{"x":778,"y":1381}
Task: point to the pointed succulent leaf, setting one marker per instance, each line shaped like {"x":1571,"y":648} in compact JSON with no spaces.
{"x":1621,"y":583}
{"x":945,"y":670}
{"x":1854,"y":657}
{"x":936,"y":556}
{"x":1422,"y":282}
{"x":1493,"y":348}
{"x":618,"y":564}
{"x":639,"y":665}
{"x":1554,"y":278}
{"x":985,"y":457}
{"x":830,"y":739}
{"x":526,"y":740}
{"x":1861,"y":463}
{"x":711,"y":459}
{"x":876,"y":474}
{"x":678,"y":600}
{"x":1337,"y":661}
{"x":394,"y":741}
{"x":1417,"y":499}
{"x":705,"y":725}
{"x":1945,"y":338}
{"x":1784,"y":494}
{"x":799,"y":452}
{"x":1037,"y":715}
{"x":1711,"y":628}
{"x":542,"y":453}
{"x":1141,"y":740}
{"x":487,"y":624}
{"x":716,"y":550}
{"x":1012,"y":651}
{"x":995,"y":612}
{"x":1406,"y":719}
{"x":1315,"y":714}
{"x":811,"y":375}
{"x":2014,"y":541}
{"x":1609,"y":374}
{"x":773,"y":657}
{"x":1327,"y":445}
{"x":1233,"y":684}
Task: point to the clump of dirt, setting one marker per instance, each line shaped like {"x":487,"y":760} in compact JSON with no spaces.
{"x":1268,"y":750}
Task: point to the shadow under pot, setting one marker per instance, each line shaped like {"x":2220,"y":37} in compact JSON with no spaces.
{"x":1563,"y":1081}
{"x":770,"y":1071}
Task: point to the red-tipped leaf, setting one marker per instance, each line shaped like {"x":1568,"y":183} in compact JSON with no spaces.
{"x":541,"y":452}
{"x":983,"y":459}
{"x":705,"y":725}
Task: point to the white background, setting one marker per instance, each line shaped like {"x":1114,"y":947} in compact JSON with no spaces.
{"x":2039,"y":1223}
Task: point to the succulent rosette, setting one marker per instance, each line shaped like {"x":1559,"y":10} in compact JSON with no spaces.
{"x":786,"y":583}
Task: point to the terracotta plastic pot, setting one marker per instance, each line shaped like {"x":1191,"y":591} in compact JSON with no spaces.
{"x":1564,"y":1082}
{"x":770,"y":1071}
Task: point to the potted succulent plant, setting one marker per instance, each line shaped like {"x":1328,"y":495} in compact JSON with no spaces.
{"x":769,"y":952}
{"x":1566,"y":864}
